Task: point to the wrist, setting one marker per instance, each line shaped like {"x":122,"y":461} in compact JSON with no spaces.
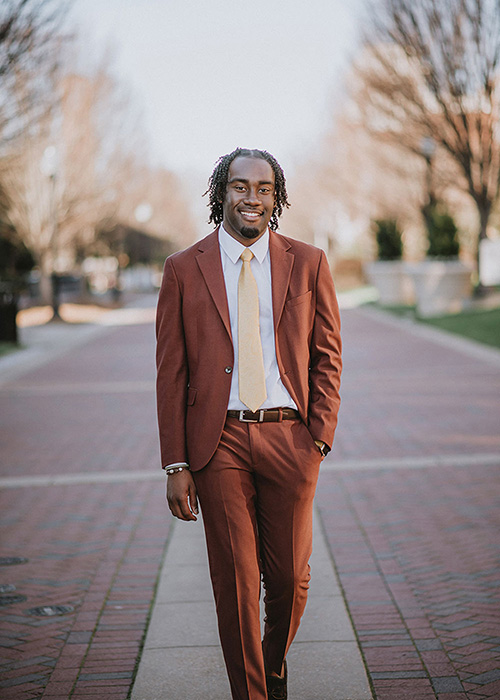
{"x":176,"y":469}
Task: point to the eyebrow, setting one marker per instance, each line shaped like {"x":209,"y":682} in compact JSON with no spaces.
{"x":242,"y":179}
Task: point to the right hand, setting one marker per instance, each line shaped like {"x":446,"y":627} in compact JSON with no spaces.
{"x":181,"y":495}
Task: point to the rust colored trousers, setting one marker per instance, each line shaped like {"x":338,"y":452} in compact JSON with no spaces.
{"x":256,"y":496}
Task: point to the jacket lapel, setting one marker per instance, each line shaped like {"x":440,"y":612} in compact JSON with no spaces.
{"x":281,"y":269}
{"x":210,"y":265}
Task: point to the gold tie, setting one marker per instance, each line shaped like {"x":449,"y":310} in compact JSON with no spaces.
{"x":251,"y":377}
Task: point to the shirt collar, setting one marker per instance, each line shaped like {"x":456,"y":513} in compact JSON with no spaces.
{"x":234,"y":248}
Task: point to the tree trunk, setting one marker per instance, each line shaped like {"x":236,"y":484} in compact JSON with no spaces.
{"x":45,"y":288}
{"x":49,"y":288}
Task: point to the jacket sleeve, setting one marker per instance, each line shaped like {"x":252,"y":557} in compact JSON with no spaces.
{"x":325,"y":359}
{"x":172,"y":369}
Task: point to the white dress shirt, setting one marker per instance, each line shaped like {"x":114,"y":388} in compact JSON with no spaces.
{"x":230,"y":251}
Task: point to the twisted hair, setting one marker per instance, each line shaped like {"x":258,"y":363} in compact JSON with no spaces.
{"x":217,"y":184}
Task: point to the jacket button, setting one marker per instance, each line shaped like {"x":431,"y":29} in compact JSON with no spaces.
{"x":228,"y":370}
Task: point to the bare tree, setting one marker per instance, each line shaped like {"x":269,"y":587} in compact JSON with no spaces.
{"x":351,"y":179}
{"x":30,"y":41}
{"x":72,"y":158}
{"x":61,"y":181}
{"x":31,"y":207}
{"x":431,"y":70}
{"x":159,"y":192}
{"x":95,"y":177}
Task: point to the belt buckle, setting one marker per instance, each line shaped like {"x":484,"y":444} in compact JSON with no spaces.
{"x":260,"y":419}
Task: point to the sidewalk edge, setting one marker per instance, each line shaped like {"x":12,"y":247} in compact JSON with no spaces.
{"x":467,"y":346}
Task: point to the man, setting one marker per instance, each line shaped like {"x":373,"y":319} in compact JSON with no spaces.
{"x":248,"y":358}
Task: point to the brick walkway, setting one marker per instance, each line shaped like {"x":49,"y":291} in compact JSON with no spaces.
{"x":95,"y":547}
{"x":416,"y":549}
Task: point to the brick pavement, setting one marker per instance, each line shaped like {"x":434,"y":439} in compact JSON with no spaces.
{"x":417,"y":549}
{"x":404,"y":395}
{"x":95,"y":547}
{"x":92,"y":409}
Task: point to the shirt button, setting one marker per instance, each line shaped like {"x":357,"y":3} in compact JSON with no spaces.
{"x":228,"y":370}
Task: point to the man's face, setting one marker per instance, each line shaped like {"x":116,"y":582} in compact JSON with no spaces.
{"x":249,"y":200}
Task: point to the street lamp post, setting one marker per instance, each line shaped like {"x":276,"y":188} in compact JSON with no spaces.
{"x":48,"y":166}
{"x":143,"y":214}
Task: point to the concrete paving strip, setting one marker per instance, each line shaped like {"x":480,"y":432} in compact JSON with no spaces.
{"x":129,"y":387}
{"x":461,"y":460}
{"x":182,"y":658}
{"x":330,"y":464}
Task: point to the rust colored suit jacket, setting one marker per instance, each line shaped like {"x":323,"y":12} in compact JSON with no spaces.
{"x":195,"y":349}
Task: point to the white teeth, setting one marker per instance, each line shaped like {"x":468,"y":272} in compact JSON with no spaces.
{"x":250,"y":214}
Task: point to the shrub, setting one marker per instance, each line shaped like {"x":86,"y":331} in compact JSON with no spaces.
{"x":388,"y":238}
{"x":442,"y":235}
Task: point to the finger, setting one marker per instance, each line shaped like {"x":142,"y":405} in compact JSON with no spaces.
{"x":179,"y":507}
{"x":182,"y":511}
{"x":193,"y":499}
{"x":185,"y":510}
{"x":179,"y":487}
{"x":174,"y":501}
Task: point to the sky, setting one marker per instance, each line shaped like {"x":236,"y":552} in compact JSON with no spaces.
{"x":211,"y":75}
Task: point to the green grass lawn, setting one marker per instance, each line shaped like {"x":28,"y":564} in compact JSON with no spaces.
{"x":480,"y":325}
{"x":483,"y":326}
{"x":6,"y":348}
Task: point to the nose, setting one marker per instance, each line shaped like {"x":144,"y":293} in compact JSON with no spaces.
{"x":252,"y":196}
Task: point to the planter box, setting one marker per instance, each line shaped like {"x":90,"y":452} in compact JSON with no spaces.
{"x":389,"y":279}
{"x":441,"y":286}
{"x":489,"y":261}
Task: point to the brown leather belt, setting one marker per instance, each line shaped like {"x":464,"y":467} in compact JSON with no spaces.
{"x":265,"y":415}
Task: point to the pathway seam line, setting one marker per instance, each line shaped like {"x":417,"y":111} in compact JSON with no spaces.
{"x":330,"y":464}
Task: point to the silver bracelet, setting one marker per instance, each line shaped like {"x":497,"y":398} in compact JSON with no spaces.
{"x":174,"y":470}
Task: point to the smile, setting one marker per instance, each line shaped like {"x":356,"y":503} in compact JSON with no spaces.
{"x":250,"y":215}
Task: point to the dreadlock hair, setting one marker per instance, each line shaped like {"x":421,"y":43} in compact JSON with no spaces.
{"x":217,"y":184}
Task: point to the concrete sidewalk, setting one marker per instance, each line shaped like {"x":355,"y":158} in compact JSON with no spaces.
{"x":182,"y":658}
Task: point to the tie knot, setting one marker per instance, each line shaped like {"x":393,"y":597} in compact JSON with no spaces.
{"x":247,"y":255}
